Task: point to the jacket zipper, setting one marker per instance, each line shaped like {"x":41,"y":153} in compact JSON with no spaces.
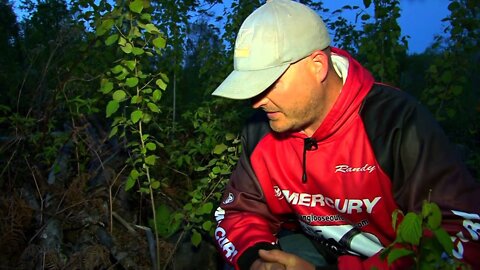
{"x":309,"y":144}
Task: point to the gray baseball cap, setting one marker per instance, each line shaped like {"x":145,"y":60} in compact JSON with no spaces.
{"x":277,"y":34}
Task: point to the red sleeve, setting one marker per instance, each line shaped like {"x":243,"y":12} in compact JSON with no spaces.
{"x":243,"y":218}
{"x":348,"y":262}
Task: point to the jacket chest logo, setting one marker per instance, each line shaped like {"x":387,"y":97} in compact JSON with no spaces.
{"x":344,"y":168}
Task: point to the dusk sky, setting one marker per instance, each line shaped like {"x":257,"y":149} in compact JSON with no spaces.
{"x":420,"y":19}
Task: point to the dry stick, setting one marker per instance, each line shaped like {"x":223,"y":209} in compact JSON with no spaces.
{"x":8,"y":163}
{"x":110,"y":198}
{"x":174,"y":249}
{"x":23,"y":83}
{"x":123,"y":222}
{"x":38,"y":190}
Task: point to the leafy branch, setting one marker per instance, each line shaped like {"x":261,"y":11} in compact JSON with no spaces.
{"x":421,"y":238}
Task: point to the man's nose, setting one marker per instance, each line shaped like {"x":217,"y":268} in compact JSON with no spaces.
{"x":259,"y":101}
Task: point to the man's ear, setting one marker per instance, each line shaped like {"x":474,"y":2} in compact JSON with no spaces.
{"x":321,"y":64}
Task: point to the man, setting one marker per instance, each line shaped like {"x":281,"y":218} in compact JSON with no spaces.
{"x":330,"y":152}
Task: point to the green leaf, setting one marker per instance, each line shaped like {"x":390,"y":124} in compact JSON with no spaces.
{"x":137,"y":51}
{"x":136,"y":116}
{"x":106,"y":86}
{"x":119,"y":95}
{"x":188,"y":207}
{"x":113,"y":132}
{"x":146,"y":118}
{"x":136,"y":6}
{"x":150,"y":160}
{"x":453,"y":6}
{"x":410,"y":230}
{"x":155,"y":184}
{"x":122,"y":41}
{"x":104,"y":27}
{"x":395,"y":254}
{"x":112,"y":107}
{"x":365,"y":17}
{"x":164,"y":77}
{"x":216,"y":170}
{"x":159,"y":42}
{"x":444,"y":239}
{"x":136,"y":99}
{"x":127,"y":48}
{"x":146,"y":17}
{"x":207,"y":208}
{"x":153,"y":107}
{"x":451,"y":112}
{"x":116,"y":69}
{"x":161,"y":84}
{"x":230,"y":136}
{"x":111,"y":39}
{"x":131,"y":82}
{"x":433,"y":215}
{"x":207,"y":225}
{"x":219,"y":148}
{"x":157,"y":95}
{"x":130,"y":183}
{"x":456,"y":90}
{"x":367,"y":3}
{"x":134,"y":174}
{"x":151,"y":146}
{"x":152,"y":29}
{"x":131,"y":64}
{"x":196,"y":238}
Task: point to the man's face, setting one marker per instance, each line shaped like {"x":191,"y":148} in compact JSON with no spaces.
{"x":295,"y":102}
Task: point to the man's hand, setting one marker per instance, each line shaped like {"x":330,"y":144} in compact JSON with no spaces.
{"x":280,"y":260}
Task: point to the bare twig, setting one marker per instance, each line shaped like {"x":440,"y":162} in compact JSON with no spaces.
{"x":123,"y":222}
{"x":110,"y":197}
{"x":180,"y":238}
{"x":38,"y":190}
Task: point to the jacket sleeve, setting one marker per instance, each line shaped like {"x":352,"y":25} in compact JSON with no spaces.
{"x":244,"y":222}
{"x":433,"y":170}
{"x":424,"y":165}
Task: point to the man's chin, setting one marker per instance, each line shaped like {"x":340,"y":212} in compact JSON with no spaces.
{"x":278,"y":127}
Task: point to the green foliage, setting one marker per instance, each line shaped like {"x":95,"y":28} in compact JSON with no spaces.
{"x":452,"y":80}
{"x":382,"y":48}
{"x":208,"y":156}
{"x":199,"y":211}
{"x":421,"y":237}
{"x":135,"y":93}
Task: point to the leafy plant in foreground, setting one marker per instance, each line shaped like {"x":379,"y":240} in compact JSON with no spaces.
{"x":135,"y":93}
{"x":421,"y":237}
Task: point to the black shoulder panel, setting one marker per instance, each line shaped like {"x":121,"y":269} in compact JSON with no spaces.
{"x":256,"y":128}
{"x":383,"y":112}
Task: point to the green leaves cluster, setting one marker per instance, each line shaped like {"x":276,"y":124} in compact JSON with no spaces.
{"x":421,"y":237}
{"x":135,"y":93}
{"x":199,"y":211}
{"x":382,"y":46}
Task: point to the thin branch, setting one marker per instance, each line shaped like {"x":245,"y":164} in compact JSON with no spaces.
{"x":38,"y":190}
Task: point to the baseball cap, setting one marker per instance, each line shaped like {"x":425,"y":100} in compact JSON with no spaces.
{"x":277,"y":34}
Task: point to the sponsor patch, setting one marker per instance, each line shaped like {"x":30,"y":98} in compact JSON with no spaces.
{"x":229,"y":199}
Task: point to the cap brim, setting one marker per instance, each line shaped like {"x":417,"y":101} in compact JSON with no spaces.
{"x":247,"y":84}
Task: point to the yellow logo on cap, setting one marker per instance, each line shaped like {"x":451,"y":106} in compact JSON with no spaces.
{"x":242,"y":52}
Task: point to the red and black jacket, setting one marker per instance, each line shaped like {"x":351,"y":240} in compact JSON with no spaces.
{"x":377,"y":150}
